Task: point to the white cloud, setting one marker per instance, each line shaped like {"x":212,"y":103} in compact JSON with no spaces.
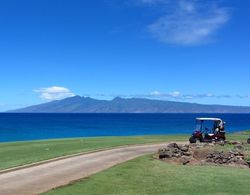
{"x":175,"y":94}
{"x":156,"y":93}
{"x":179,"y":95}
{"x":54,"y":93}
{"x":187,"y":22}
{"x":209,"y":95}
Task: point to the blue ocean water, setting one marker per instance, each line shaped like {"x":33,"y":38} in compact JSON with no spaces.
{"x":20,"y":127}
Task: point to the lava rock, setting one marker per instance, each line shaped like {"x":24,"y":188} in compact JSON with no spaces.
{"x":185,"y":160}
{"x":238,"y":147}
{"x":234,"y":142}
{"x":184,"y":148}
{"x":187,"y":153}
{"x":174,"y":150}
{"x":173,"y":145}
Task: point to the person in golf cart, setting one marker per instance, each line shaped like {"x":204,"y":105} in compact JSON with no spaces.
{"x":208,"y":130}
{"x":219,"y":126}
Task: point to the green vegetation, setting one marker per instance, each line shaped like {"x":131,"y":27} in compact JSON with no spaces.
{"x":239,"y":136}
{"x":20,"y":153}
{"x":146,"y":175}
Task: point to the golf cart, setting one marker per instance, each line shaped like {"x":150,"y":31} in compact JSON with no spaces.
{"x":208,"y":130}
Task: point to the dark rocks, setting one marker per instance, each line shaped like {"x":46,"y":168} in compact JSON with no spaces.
{"x":164,"y":153}
{"x":204,"y":153}
{"x":184,"y":148}
{"x":228,"y":158}
{"x":234,"y":143}
{"x":220,"y":143}
{"x":173,"y":145}
{"x":187,"y":153}
{"x":238,"y":147}
{"x":185,"y":160}
{"x":174,"y":150}
{"x":201,"y":145}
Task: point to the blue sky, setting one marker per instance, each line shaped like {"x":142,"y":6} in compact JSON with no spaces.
{"x":182,"y":50}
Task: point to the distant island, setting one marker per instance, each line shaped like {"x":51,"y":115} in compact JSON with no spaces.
{"x":78,"y":104}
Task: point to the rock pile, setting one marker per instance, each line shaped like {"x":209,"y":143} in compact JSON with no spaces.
{"x":228,"y":158}
{"x":174,"y":150}
{"x":203,"y":154}
{"x":233,"y":142}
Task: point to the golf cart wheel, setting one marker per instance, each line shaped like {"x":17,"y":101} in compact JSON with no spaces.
{"x":201,"y":140}
{"x":192,"y":140}
{"x":248,"y":140}
{"x":222,"y":139}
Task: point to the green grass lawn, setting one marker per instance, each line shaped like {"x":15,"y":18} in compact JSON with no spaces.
{"x":239,"y":136}
{"x":20,"y":153}
{"x":146,"y":175}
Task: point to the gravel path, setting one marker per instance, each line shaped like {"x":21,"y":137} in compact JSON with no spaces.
{"x":41,"y":178}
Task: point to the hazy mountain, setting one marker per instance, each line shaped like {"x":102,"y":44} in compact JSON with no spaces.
{"x":79,"y":104}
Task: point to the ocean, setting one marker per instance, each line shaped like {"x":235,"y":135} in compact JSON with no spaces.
{"x":22,"y":127}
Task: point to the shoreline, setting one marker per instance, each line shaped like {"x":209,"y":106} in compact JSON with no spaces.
{"x":115,"y":136}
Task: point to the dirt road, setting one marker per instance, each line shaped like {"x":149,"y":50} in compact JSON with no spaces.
{"x":41,"y":178}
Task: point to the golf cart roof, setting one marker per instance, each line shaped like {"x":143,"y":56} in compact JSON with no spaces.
{"x":208,"y":119}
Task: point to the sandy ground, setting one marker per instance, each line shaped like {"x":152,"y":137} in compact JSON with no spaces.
{"x":41,"y":178}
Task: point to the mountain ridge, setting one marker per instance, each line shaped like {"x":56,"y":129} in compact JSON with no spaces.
{"x":78,"y":104}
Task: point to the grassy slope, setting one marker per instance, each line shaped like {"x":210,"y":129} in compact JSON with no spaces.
{"x":20,"y":153}
{"x":145,"y":175}
{"x":239,"y":136}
